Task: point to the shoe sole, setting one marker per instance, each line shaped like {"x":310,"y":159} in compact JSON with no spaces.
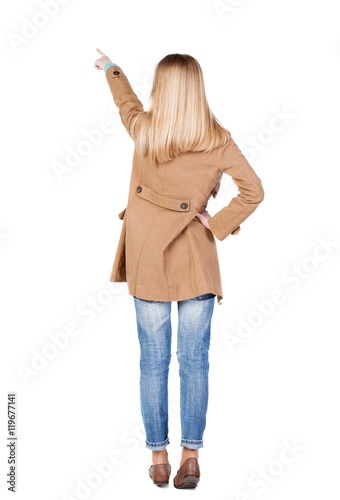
{"x":188,"y":482}
{"x":161,"y":483}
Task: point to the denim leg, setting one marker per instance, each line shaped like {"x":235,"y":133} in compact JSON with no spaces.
{"x":194,"y":322}
{"x":154,"y":334}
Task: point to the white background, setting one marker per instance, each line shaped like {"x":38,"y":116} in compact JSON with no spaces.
{"x":272,"y":382}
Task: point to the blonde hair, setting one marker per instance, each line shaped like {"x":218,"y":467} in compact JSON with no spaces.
{"x":179,"y":118}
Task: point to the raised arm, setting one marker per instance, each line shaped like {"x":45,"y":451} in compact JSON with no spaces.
{"x":123,"y":95}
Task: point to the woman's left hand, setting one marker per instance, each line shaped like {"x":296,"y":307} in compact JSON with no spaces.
{"x":204,"y":218}
{"x":102,"y":61}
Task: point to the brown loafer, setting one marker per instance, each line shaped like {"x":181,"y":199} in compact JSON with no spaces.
{"x":188,"y":475}
{"x":160,"y":473}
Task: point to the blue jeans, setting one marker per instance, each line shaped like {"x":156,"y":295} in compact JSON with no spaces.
{"x":193,"y":341}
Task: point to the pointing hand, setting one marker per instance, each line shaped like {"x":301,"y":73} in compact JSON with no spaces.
{"x":102,"y":61}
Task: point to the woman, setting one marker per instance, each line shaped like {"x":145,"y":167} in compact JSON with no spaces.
{"x":167,"y":250}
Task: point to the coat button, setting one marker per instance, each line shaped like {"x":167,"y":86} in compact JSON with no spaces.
{"x":138,"y":189}
{"x":184,"y":205}
{"x":116,"y":72}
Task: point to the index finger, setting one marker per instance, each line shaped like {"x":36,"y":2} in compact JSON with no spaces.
{"x":100,"y":52}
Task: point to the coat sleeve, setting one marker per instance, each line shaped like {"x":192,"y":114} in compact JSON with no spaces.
{"x":124,"y":97}
{"x":232,"y":162}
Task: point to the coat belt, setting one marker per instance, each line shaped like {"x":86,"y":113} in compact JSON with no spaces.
{"x":162,"y":201}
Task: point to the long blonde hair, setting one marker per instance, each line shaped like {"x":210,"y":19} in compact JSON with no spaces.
{"x":179,"y":118}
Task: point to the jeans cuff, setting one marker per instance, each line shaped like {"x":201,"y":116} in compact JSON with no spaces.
{"x":192,"y":443}
{"x":157,"y":446}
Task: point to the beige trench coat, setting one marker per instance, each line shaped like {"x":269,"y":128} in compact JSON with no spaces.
{"x":164,"y":252}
